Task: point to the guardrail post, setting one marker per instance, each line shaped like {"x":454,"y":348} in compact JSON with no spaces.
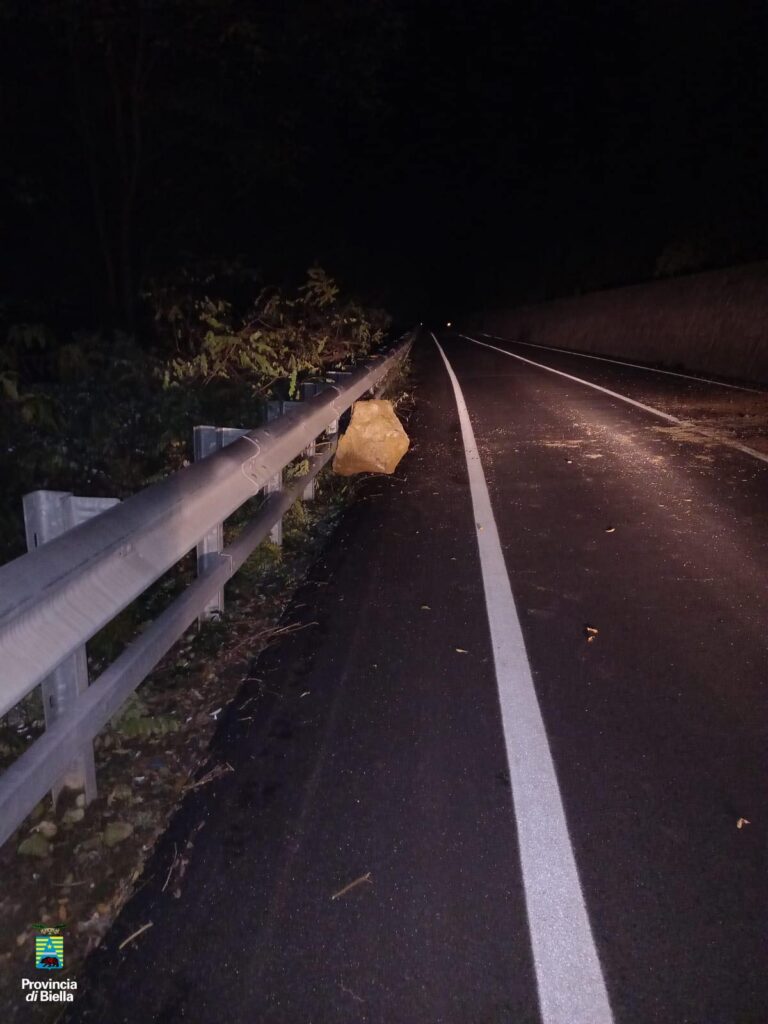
{"x":310,"y":388}
{"x":308,"y":494}
{"x":47,"y":514}
{"x":275,"y":409}
{"x":206,"y":441}
{"x":275,"y":485}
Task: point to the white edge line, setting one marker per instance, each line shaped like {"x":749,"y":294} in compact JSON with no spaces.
{"x":712,"y":435}
{"x":579,"y":380}
{"x":621,"y":362}
{"x":569,"y":978}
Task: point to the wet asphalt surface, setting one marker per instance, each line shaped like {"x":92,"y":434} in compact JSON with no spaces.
{"x":378,"y":753}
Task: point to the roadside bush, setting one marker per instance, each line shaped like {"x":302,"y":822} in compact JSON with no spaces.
{"x":98,"y":413}
{"x":276,"y":337}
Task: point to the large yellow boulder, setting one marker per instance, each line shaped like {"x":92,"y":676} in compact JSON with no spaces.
{"x":374,"y":441}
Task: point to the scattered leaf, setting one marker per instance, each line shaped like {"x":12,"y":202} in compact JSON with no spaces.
{"x":590,"y":633}
{"x":610,"y":529}
{"x":116,"y":832}
{"x":742,"y":822}
{"x":35,"y":845}
{"x":122,"y":791}
{"x":460,"y":650}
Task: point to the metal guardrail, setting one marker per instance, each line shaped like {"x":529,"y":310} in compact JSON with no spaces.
{"x":58,"y":596}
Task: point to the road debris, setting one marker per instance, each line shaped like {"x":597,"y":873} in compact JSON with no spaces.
{"x":742,"y":822}
{"x":374,"y":441}
{"x":265,"y":638}
{"x":353,"y":885}
{"x":349,"y":992}
{"x":292,"y":627}
{"x":590,"y":632}
{"x":178,"y":869}
{"x":214,"y":773}
{"x":134,"y":935}
{"x":460,"y":650}
{"x":610,"y":529}
{"x":170,"y":869}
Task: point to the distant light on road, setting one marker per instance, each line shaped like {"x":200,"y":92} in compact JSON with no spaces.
{"x":448,"y":323}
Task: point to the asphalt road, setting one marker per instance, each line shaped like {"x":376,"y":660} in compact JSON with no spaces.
{"x":545,"y":825}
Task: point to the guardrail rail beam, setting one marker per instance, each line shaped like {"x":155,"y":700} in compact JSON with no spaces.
{"x":89,"y":558}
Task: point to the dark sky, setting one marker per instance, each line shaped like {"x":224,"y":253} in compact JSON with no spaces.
{"x":548,"y":146}
{"x":436,"y":156}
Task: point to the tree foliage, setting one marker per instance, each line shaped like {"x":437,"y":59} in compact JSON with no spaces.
{"x":95,"y":413}
{"x":277,"y":336}
{"x":140,"y":129}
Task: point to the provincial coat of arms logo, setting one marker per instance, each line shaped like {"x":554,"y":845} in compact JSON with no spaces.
{"x":49,"y":948}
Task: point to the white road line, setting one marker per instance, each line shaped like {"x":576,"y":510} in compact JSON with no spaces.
{"x":712,"y":435}
{"x":568,"y":974}
{"x":620,"y":362}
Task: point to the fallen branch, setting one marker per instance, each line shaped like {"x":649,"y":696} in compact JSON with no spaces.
{"x":349,"y":992}
{"x":267,"y":636}
{"x":134,"y":935}
{"x":293,"y":627}
{"x":170,"y":869}
{"x":214,"y":773}
{"x":353,"y":885}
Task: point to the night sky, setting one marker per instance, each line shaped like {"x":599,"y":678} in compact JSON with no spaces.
{"x":437,"y":157}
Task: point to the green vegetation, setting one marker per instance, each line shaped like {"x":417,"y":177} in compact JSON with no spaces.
{"x":104,"y":413}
